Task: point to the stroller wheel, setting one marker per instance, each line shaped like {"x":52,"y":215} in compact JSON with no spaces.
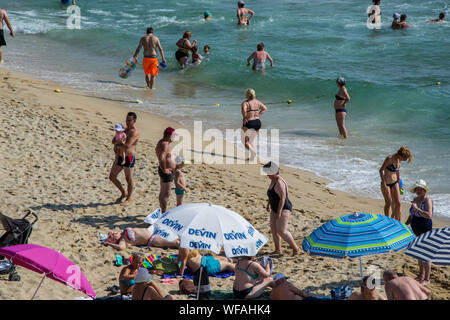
{"x":14,"y":277}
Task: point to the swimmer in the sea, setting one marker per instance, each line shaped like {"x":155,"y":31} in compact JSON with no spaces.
{"x":259,"y":58}
{"x":441,"y":18}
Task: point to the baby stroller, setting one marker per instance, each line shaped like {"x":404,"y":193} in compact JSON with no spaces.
{"x":17,"y":232}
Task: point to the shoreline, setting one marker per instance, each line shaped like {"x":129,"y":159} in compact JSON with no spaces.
{"x":59,"y":148}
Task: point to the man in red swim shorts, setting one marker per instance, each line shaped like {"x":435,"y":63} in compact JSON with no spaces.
{"x":150,"y":63}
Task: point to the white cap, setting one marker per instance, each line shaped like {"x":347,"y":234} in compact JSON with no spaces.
{"x":119,"y":127}
{"x":143,"y":276}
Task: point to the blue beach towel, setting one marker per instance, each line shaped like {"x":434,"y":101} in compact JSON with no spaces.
{"x":189,"y":275}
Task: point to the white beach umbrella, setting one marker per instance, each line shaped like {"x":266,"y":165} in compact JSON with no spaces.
{"x":205,"y":226}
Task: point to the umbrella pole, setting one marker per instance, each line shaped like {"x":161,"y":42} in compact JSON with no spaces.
{"x":40,"y":284}
{"x":200,"y":278}
{"x":361,"y":268}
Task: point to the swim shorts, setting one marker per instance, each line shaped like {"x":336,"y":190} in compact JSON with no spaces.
{"x":129,"y":161}
{"x":2,"y":38}
{"x":165,"y":177}
{"x":150,"y":66}
{"x":179,"y":192}
{"x":260,"y":66}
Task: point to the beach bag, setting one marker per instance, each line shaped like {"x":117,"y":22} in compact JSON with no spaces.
{"x":186,"y":286}
{"x":202,"y":282}
{"x":167,"y":264}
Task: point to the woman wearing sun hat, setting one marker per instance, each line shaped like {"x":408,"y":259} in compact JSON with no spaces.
{"x":421,"y":213}
{"x":146,"y":289}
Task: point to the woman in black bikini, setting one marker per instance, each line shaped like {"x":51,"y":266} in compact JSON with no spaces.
{"x":184,"y":47}
{"x":340,"y":103}
{"x":251,"y":110}
{"x":280,"y":208}
{"x":390,"y":176}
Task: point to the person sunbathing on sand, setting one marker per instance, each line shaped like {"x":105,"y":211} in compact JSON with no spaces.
{"x":146,"y":289}
{"x":285,"y":290}
{"x":251,"y":278}
{"x":214,"y":264}
{"x":367,"y":292}
{"x":404,"y":288}
{"x":138,"y":237}
{"x":127,"y":274}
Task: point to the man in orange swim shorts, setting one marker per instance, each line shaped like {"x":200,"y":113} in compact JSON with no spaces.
{"x":150,"y":63}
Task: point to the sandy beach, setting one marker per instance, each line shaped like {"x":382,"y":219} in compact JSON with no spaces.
{"x":57,"y":153}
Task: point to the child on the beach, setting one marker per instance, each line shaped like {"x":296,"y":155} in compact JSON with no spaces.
{"x":119,"y":136}
{"x":196,"y":58}
{"x":206,"y":50}
{"x":180,"y":181}
{"x":259,"y":58}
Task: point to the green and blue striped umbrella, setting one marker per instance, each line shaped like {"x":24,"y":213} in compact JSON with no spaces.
{"x":357,"y":235}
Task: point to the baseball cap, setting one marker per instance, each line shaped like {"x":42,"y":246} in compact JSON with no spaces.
{"x":170,"y":131}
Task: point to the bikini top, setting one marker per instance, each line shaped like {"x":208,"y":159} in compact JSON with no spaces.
{"x":393,"y":168}
{"x":339,"y":98}
{"x":250,"y":108}
{"x":253,"y":276}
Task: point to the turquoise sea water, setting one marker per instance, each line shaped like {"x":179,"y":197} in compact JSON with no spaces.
{"x":390,"y":75}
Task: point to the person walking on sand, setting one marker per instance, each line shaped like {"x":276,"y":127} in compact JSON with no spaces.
{"x":259,"y":58}
{"x":404,"y":288}
{"x":150,"y":62}
{"x":251,"y":109}
{"x":280,"y":208}
{"x":340,"y":107}
{"x":242,"y":14}
{"x":390,"y":177}
{"x":420,"y":215}
{"x":166,"y":166}
{"x":129,"y":147}
{"x":4,"y":18}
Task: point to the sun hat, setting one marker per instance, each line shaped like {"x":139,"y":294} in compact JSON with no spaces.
{"x":419,"y":184}
{"x":143,"y":276}
{"x":270,"y":168}
{"x":170,"y":130}
{"x":396,"y":15}
{"x":119,"y":127}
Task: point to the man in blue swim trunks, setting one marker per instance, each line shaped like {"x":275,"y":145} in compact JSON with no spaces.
{"x":129,"y":147}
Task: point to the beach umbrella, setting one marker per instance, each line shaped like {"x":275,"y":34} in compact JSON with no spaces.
{"x":205,"y":226}
{"x":49,"y":262}
{"x":432,"y":246}
{"x":356,"y":235}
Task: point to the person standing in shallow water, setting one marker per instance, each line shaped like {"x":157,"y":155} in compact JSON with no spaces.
{"x":390,"y":177}
{"x":242,"y":14}
{"x":280,"y":208}
{"x":340,"y":107}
